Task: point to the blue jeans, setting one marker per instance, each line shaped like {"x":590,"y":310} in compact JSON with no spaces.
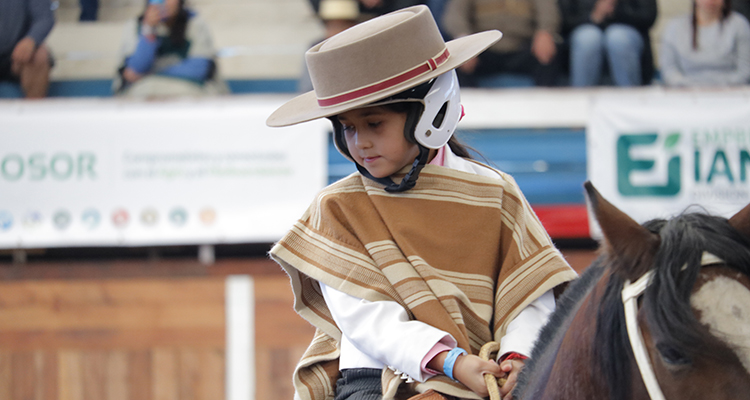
{"x":621,"y":44}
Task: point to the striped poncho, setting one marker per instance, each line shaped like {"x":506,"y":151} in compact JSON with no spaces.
{"x":462,"y":252}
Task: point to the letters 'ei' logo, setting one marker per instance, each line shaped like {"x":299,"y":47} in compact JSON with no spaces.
{"x":626,"y":165}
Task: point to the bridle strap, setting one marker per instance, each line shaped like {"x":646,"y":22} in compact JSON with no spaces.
{"x":630,"y":294}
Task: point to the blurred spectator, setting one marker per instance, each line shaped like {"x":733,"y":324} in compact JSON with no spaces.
{"x":372,"y":8}
{"x":437,"y":8}
{"x":89,"y":10}
{"x":613,"y":33}
{"x":337,"y":16}
{"x":167,"y":51}
{"x":710,"y":46}
{"x":530,"y":30}
{"x":24,"y":58}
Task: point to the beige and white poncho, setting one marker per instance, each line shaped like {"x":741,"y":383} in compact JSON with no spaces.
{"x":464,"y":253}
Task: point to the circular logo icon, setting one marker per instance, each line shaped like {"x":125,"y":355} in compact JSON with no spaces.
{"x":178,"y":216}
{"x":6,"y":220}
{"x":91,"y":218}
{"x":61,"y":219}
{"x":120,"y":218}
{"x":32,"y":220}
{"x":149,"y":217}
{"x":208,"y":216}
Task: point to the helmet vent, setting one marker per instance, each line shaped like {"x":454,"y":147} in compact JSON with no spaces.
{"x":438,"y":121}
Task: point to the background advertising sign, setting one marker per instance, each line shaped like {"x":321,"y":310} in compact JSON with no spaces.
{"x":114,"y":173}
{"x":659,"y":154}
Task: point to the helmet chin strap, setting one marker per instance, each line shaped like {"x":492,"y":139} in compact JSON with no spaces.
{"x":409,"y":180}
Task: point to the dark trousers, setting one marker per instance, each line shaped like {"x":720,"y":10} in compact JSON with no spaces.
{"x":517,"y":62}
{"x":359,"y":384}
{"x":89,"y":10}
{"x":5,"y":69}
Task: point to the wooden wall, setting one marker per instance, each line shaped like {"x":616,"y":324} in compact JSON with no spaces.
{"x":144,"y":329}
{"x":112,"y":339}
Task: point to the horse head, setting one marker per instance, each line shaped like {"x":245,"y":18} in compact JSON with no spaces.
{"x":663,"y":313}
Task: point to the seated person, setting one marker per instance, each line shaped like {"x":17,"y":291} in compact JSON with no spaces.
{"x":372,"y":8}
{"x":710,"y":46}
{"x":168,"y":51}
{"x":337,"y":16}
{"x":613,"y":33}
{"x":530,"y":30}
{"x":24,"y":58}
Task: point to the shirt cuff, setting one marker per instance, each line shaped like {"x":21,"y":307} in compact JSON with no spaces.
{"x":438,"y":348}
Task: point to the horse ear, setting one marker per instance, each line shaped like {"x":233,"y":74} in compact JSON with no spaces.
{"x":624,"y":238}
{"x":741,"y":221}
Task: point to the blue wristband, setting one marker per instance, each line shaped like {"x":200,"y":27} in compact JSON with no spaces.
{"x":450,"y":360}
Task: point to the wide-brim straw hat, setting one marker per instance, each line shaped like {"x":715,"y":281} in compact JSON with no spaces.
{"x":377,"y":59}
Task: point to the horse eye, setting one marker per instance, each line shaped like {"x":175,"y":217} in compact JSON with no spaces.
{"x":672,"y":356}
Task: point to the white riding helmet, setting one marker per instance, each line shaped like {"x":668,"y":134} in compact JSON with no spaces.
{"x":442,"y":110}
{"x":439,"y":115}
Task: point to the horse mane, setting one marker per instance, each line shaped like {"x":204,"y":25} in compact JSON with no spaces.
{"x":666,"y":301}
{"x":556,"y":326}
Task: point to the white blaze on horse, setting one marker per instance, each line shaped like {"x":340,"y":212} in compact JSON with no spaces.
{"x":663,"y":313}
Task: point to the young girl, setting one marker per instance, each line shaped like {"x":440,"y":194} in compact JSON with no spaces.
{"x":409,"y":266}
{"x":167,"y":51}
{"x":709,"y":47}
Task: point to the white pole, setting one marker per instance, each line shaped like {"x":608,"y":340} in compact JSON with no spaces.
{"x":240,"y":342}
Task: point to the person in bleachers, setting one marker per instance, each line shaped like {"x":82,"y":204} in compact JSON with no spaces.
{"x":167,"y":51}
{"x":24,"y":58}
{"x":609,"y":38}
{"x":372,"y":8}
{"x":337,"y":16}
{"x":530,"y":34}
{"x":708,"y":47}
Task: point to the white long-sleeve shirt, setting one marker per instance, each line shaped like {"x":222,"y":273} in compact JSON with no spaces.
{"x":380,"y":334}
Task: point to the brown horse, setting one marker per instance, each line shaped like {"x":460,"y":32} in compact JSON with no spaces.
{"x":683,"y":286}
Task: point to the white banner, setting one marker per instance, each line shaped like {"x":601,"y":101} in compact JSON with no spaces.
{"x":105,"y":173}
{"x":658,"y":154}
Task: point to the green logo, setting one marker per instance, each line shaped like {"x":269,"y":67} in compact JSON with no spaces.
{"x":61,"y":166}
{"x":627,"y":164}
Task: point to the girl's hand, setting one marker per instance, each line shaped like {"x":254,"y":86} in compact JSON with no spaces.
{"x":511,"y":369}
{"x":470,"y":370}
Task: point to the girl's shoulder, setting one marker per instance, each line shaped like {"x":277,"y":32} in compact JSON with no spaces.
{"x":453,"y":161}
{"x":475,"y":167}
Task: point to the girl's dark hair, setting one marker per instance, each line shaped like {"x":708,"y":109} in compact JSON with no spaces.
{"x":178,"y":26}
{"x":726,"y":9}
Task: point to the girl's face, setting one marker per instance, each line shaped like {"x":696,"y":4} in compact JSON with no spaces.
{"x":375,"y":139}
